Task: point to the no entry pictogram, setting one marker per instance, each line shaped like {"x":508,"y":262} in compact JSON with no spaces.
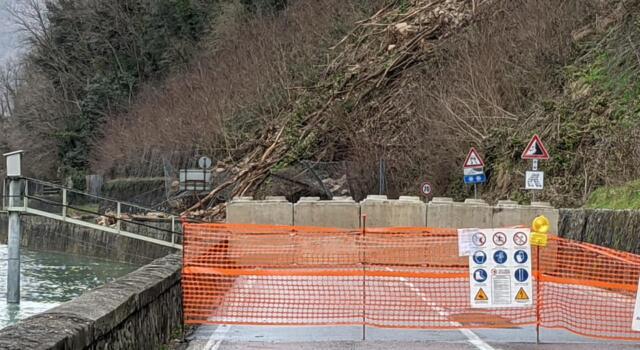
{"x":520,"y":238}
{"x":479,"y":239}
{"x":499,"y":238}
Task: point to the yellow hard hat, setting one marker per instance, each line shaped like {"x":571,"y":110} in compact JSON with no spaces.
{"x":540,"y":224}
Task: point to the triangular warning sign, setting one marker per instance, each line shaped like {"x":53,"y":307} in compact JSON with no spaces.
{"x":481,"y":296}
{"x":535,"y":149}
{"x":473,"y":159}
{"x":522,"y":295}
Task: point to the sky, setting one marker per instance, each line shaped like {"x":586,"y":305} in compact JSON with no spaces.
{"x":9,"y":36}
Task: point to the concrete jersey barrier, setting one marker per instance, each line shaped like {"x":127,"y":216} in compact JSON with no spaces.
{"x":343,"y":212}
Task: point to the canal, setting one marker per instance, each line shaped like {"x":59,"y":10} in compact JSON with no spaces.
{"x":49,"y":279}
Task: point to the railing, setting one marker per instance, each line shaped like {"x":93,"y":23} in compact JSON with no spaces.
{"x":60,"y":203}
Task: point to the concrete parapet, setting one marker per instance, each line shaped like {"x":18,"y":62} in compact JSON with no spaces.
{"x":271,"y":211}
{"x":141,"y":310}
{"x":509,"y":213}
{"x":474,"y":213}
{"x":404,"y":212}
{"x":340,"y":212}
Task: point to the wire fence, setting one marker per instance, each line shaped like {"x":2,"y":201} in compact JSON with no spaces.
{"x":392,"y":278}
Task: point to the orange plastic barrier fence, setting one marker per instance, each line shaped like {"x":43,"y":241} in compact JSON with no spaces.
{"x":398,"y":277}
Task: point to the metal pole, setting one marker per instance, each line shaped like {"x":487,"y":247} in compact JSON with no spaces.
{"x":364,"y":276}
{"x":64,"y":203}
{"x":538,"y":296}
{"x":173,"y":229}
{"x":118,"y":211}
{"x":13,"y":242}
{"x":381,"y":179}
{"x":475,"y":191}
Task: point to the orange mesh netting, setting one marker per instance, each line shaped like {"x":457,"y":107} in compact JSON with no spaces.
{"x":392,"y":277}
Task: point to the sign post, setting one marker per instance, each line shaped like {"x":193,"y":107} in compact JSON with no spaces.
{"x":473,"y":169}
{"x":14,"y":172}
{"x":535,"y":151}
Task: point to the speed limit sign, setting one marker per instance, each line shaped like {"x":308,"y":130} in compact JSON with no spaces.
{"x":426,"y":188}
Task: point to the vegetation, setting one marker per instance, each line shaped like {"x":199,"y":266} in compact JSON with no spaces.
{"x":131,"y":88}
{"x":626,"y":196}
{"x":87,"y":61}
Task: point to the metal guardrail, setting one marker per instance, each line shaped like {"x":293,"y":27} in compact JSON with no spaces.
{"x":41,"y":191}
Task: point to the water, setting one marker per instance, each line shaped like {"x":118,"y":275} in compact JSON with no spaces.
{"x":49,"y":279}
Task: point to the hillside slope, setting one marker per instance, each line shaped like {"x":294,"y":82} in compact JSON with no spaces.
{"x":412,"y":82}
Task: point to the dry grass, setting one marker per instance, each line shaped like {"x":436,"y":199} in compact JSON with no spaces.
{"x":253,"y":69}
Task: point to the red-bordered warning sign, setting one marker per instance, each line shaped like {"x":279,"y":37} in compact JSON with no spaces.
{"x":473,"y":159}
{"x":535,"y":149}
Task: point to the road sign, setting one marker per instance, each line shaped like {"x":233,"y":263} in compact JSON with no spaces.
{"x":204,"y":162}
{"x":535,"y":149}
{"x":473,"y":171}
{"x":475,"y":179}
{"x":500,"y":269}
{"x":426,"y":189}
{"x":636,"y":313}
{"x":473,"y":159}
{"x":534,"y":180}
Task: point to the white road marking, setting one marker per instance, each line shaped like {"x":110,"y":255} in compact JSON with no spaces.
{"x":217,"y":337}
{"x":473,"y":338}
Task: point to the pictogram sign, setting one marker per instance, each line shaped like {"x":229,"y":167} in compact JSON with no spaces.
{"x":481,"y":295}
{"x":500,"y":268}
{"x":499,"y":238}
{"x":535,"y":149}
{"x":520,"y":238}
{"x":522,"y":295}
{"x":426,"y":189}
{"x":473,"y":159}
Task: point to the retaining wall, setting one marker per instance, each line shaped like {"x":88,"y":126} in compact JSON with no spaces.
{"x":40,"y":233}
{"x":617,"y":229}
{"x":138,"y":311}
{"x":382,"y":212}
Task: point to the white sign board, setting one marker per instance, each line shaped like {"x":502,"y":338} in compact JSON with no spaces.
{"x":473,"y":171}
{"x":14,"y":163}
{"x":636,"y":313}
{"x":500,"y":269}
{"x":534,"y":180}
{"x":466,"y":237}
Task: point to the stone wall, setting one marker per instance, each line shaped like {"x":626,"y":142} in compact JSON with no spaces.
{"x":39,"y":233}
{"x":617,"y":229}
{"x":138,"y":311}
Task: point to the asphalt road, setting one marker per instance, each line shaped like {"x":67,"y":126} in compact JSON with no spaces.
{"x":237,"y":337}
{"x":284,"y":338}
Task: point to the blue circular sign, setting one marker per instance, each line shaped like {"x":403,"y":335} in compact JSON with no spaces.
{"x":479,"y":257}
{"x":500,"y":257}
{"x":521,"y":257}
{"x":480,"y":275}
{"x":521,"y":275}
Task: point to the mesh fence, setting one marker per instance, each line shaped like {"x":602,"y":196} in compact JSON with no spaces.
{"x":403,"y":278}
